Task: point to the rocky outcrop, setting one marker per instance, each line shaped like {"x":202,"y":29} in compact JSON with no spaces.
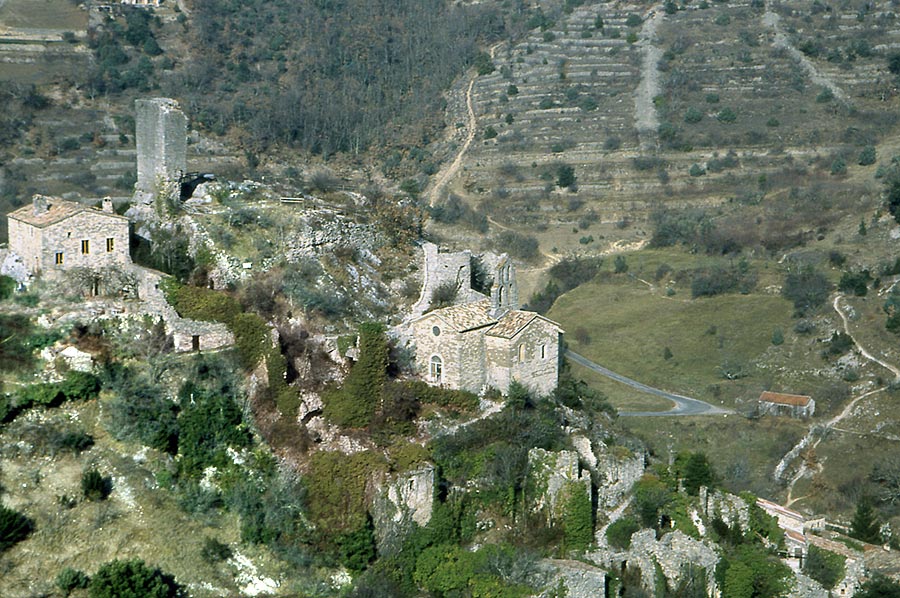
{"x":670,"y":553}
{"x":616,"y":471}
{"x":550,"y":474}
{"x":579,"y":580}
{"x":400,"y":504}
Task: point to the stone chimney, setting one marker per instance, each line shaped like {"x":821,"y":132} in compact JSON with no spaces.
{"x":107,"y":205}
{"x":41,"y":204}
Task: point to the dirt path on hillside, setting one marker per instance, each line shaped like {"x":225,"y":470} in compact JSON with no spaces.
{"x":450,"y":171}
{"x":816,"y":433}
{"x":771,"y":19}
{"x":646,"y":120}
{"x":892,"y":368}
{"x":447,"y":173}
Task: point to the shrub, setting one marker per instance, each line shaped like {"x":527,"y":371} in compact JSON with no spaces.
{"x":72,"y":579}
{"x":490,"y":132}
{"x":132,"y":579}
{"x":512,"y":90}
{"x":95,"y":486}
{"x":696,"y":170}
{"x":773,"y":122}
{"x":14,"y":527}
{"x":483,"y":63}
{"x":777,"y":337}
{"x":620,"y":264}
{"x":693,"y":116}
{"x":726,"y":115}
{"x":838,"y":167}
{"x":712,"y":98}
{"x":619,"y":532}
{"x":825,"y":96}
{"x":633,"y":20}
{"x":855,"y":282}
{"x":214,"y":551}
{"x":867,"y":156}
{"x":45,"y":394}
{"x":82,"y":386}
{"x":565,"y":176}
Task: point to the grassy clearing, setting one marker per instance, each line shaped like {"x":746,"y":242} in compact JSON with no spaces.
{"x":627,"y":325}
{"x":43,"y":14}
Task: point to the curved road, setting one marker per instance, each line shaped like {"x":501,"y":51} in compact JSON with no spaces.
{"x":683,"y":405}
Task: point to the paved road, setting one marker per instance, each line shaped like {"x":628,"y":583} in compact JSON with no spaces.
{"x":683,"y":405}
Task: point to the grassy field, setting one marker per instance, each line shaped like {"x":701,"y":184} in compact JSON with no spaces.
{"x":42,"y":14}
{"x":627,"y":323}
{"x":620,"y":395}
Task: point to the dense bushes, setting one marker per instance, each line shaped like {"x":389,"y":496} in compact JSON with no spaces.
{"x":619,"y":532}
{"x":564,"y":276}
{"x":806,"y":288}
{"x":132,"y":579}
{"x":825,"y":567}
{"x":14,"y":527}
{"x":354,"y":404}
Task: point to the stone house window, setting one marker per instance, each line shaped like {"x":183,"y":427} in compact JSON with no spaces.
{"x":435,"y":330}
{"x":110,"y":244}
{"x":58,"y":260}
{"x":85,"y":246}
{"x":543,"y":351}
{"x":436,"y":369}
{"x":522,"y":353}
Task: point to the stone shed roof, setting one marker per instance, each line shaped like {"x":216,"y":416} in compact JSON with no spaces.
{"x":57,"y":211}
{"x":467,"y":316}
{"x":784,"y":399}
{"x":513,"y":322}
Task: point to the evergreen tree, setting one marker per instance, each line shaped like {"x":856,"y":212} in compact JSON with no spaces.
{"x":697,"y":472}
{"x":865,"y":525}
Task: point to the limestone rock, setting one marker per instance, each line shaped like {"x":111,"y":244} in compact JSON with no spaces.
{"x":550,"y":473}
{"x":580,"y":580}
{"x":405,"y":501}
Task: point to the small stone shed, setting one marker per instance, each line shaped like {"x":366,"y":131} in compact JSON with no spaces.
{"x":53,"y":235}
{"x":776,"y":403}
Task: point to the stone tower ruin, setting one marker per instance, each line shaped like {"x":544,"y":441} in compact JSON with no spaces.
{"x":504,"y":291}
{"x":161,"y":138}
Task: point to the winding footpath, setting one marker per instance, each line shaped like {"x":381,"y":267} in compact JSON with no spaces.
{"x":683,"y":405}
{"x":817,"y":433}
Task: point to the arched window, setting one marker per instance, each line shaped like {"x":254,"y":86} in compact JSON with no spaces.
{"x":435,"y":369}
{"x":543,"y":351}
{"x":522,"y":353}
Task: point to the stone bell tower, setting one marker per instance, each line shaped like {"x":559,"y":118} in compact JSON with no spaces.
{"x":504,"y":291}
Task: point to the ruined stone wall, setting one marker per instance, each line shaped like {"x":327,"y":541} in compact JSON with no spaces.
{"x":448,"y":267}
{"x":161,"y":139}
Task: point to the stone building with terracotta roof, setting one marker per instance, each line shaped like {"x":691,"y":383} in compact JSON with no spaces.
{"x":54,"y":235}
{"x":488,"y":342}
{"x":776,"y":403}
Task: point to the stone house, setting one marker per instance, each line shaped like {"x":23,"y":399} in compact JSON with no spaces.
{"x":54,"y":235}
{"x":488,"y":342}
{"x":797,"y":406}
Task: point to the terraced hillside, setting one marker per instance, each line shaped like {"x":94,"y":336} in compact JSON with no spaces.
{"x":698,"y":105}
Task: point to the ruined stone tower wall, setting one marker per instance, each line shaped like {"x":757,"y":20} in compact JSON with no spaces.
{"x":161,"y":137}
